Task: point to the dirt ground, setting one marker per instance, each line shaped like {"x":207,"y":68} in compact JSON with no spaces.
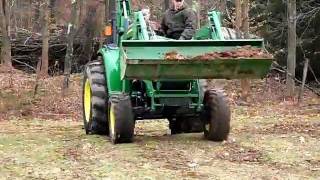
{"x":41,"y":137}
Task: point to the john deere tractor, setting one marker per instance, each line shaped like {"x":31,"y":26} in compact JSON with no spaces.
{"x":132,"y":79}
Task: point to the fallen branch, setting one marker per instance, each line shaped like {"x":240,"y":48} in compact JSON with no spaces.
{"x":305,"y":72}
{"x":280,"y":69}
{"x":27,"y":65}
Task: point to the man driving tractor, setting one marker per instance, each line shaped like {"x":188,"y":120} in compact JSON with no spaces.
{"x":179,"y":22}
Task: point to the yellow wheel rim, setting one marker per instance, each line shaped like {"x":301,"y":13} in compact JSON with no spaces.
{"x":207,"y":126}
{"x":87,"y":100}
{"x":112,"y":120}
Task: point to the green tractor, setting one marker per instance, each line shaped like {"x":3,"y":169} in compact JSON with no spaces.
{"x":132,"y":79}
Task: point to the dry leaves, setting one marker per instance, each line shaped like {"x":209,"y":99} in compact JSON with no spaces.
{"x":239,"y":53}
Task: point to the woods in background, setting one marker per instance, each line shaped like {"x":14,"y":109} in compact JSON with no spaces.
{"x":5,"y":32}
{"x":34,"y":32}
{"x":37,"y":31}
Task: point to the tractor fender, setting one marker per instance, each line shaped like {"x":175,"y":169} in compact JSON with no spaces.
{"x":111,"y":60}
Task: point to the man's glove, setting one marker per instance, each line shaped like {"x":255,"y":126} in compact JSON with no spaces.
{"x":159,"y":32}
{"x":182,"y":38}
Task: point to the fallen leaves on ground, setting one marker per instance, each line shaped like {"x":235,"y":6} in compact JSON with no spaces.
{"x":18,"y":99}
{"x":42,"y":137}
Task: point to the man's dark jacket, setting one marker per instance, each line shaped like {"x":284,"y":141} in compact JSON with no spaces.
{"x":180,"y":24}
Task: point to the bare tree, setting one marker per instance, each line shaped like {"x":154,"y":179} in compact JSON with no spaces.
{"x":196,"y":6}
{"x":245,"y":84}
{"x":242,"y":25}
{"x":88,"y":29}
{"x":5,"y":29}
{"x":82,"y":10}
{"x":292,"y":44}
{"x":238,"y":17}
{"x":69,"y":55}
{"x":222,"y":6}
{"x":101,"y":22}
{"x":45,"y":39}
{"x":43,"y":63}
{"x":29,"y":21}
{"x":245,"y":18}
{"x":36,"y":18}
{"x":166,"y":4}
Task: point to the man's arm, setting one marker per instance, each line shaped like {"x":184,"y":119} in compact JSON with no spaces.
{"x":164,"y":27}
{"x":190,"y":25}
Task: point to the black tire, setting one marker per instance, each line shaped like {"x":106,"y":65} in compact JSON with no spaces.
{"x":216,"y":116}
{"x":96,"y":122}
{"x":121,"y":119}
{"x":195,"y":125}
{"x":175,"y":125}
{"x":185,"y":125}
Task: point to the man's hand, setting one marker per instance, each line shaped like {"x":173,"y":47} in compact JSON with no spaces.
{"x":159,"y":32}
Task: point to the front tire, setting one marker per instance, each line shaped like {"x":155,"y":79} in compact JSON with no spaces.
{"x":121,"y":119}
{"x":94,"y":99}
{"x":216,"y":116}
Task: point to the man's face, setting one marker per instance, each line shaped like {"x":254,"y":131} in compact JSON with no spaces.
{"x":177,"y":4}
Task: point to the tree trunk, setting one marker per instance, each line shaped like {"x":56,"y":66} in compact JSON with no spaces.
{"x":242,"y":25}
{"x":197,"y":7}
{"x":189,"y":2}
{"x":69,"y":54}
{"x":292,"y":42}
{"x":7,"y":12}
{"x":29,"y":21}
{"x":245,"y":84}
{"x":222,"y":6}
{"x":78,"y":12}
{"x":82,"y":10}
{"x":88,"y":27}
{"x":6,"y":45}
{"x":36,"y":20}
{"x":136,"y":4}
{"x":45,"y":39}
{"x":238,"y":18}
{"x":101,"y":22}
{"x":52,"y":5}
{"x":245,"y":18}
{"x":166,"y":5}
{"x":15,"y":15}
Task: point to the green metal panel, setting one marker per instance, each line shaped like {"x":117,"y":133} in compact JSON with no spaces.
{"x":143,"y":26}
{"x":197,"y":69}
{"x":111,"y":57}
{"x":203,"y":33}
{"x":123,"y":17}
{"x":212,"y":30}
{"x":214,"y":19}
{"x":146,"y":60}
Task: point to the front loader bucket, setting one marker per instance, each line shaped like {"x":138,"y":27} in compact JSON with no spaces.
{"x":150,"y":60}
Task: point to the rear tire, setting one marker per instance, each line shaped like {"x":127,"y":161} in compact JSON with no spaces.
{"x":216,"y":116}
{"x":185,"y":125}
{"x":175,"y":126}
{"x":94,"y":99}
{"x":121,"y":119}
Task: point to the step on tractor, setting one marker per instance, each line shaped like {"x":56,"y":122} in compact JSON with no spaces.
{"x":135,"y":78}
